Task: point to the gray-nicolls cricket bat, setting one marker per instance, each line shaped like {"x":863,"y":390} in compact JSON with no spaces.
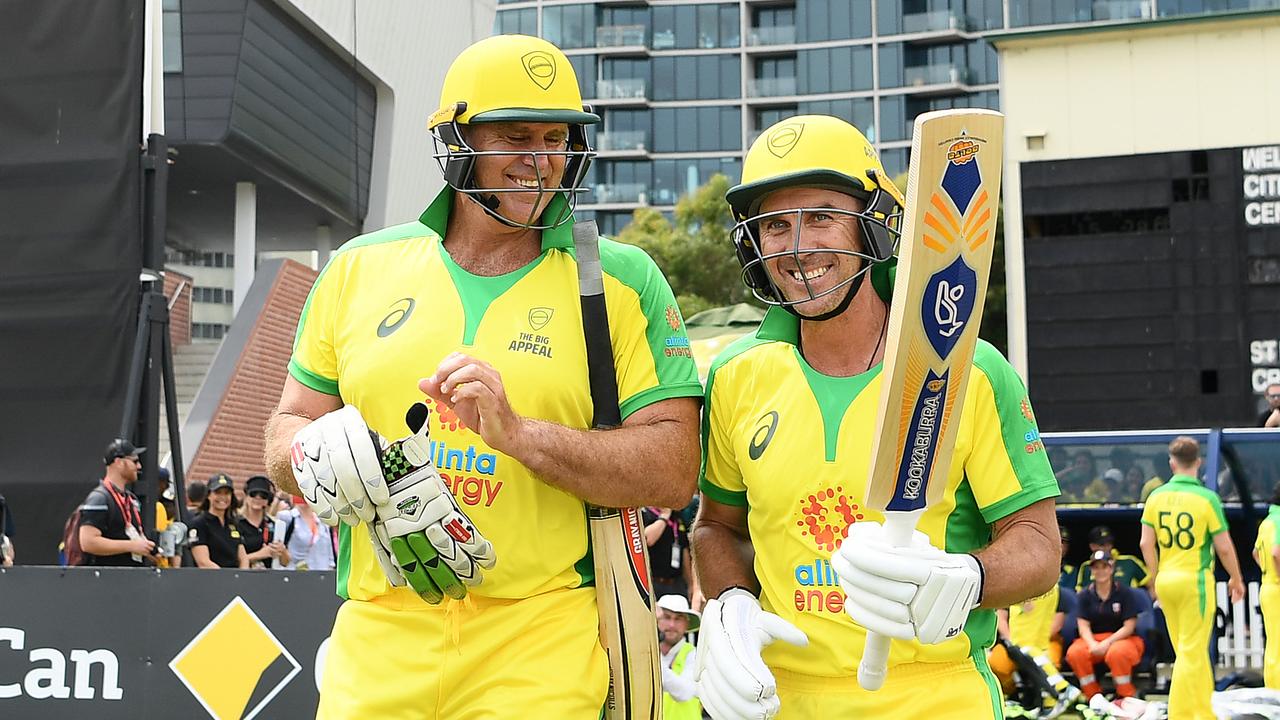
{"x":624,"y":587}
{"x":944,"y":259}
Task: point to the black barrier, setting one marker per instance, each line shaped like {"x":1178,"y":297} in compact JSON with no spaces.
{"x":214,"y":643}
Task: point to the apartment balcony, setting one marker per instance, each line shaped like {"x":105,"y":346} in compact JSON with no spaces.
{"x":937,"y":79}
{"x":621,"y":39}
{"x":1122,"y":10}
{"x":622,"y":91}
{"x":663,"y":40}
{"x":620,"y":142}
{"x":766,"y":36}
{"x":771,"y":87}
{"x":618,"y":194}
{"x":940,"y":26}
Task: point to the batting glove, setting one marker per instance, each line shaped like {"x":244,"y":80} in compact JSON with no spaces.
{"x":335,"y":462}
{"x":733,"y":681}
{"x":420,"y":535}
{"x":916,"y":592}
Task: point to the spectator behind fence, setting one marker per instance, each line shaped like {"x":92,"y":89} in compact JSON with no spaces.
{"x":1181,"y":521}
{"x":257,"y":526}
{"x":1270,"y":418}
{"x":309,"y":542}
{"x":111,"y":531}
{"x":1108,"y":625}
{"x":679,"y":658}
{"x":7,"y":553}
{"x":215,"y":539}
{"x":668,"y":540}
{"x":1126,"y":569}
{"x":197,"y":491}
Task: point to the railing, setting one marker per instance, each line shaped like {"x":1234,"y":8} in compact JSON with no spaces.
{"x":620,"y":89}
{"x":618,"y":193}
{"x":935,"y":75}
{"x":936,"y":21}
{"x":771,"y":87}
{"x":618,"y":140}
{"x":663,"y":39}
{"x":620,"y":35}
{"x":778,"y":35}
{"x":1121,"y":9}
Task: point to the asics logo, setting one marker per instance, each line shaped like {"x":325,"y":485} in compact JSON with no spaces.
{"x":763,"y":434}
{"x":400,"y":312}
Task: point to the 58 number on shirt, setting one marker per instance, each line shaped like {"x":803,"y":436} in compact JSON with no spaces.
{"x":1181,"y":533}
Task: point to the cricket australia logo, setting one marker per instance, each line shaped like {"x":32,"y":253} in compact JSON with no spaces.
{"x":541,"y":68}
{"x":539,"y":317}
{"x":784,"y":138}
{"x":948,"y":305}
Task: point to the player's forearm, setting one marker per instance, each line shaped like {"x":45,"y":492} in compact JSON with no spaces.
{"x":278,"y":437}
{"x":1022,"y":561}
{"x":630,"y":466}
{"x":1227,"y":554}
{"x":722,"y":558}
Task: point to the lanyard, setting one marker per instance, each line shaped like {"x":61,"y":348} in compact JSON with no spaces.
{"x":130,"y":513}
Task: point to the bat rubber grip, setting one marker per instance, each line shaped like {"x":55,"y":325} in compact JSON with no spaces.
{"x":875,"y":656}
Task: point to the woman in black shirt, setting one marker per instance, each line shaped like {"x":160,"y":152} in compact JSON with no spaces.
{"x":256,"y":525}
{"x":215,"y":539}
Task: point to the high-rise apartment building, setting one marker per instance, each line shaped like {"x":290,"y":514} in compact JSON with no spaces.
{"x":684,"y":86}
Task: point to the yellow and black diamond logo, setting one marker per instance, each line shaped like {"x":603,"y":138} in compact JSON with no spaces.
{"x":234,"y":666}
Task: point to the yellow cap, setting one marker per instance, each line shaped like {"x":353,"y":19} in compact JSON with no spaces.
{"x":809,"y":150}
{"x":511,"y":78}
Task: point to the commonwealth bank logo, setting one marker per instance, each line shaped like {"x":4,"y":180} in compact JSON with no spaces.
{"x":234,"y":666}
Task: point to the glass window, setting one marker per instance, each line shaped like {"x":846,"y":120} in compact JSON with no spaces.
{"x":1252,"y":459}
{"x":687,"y":77}
{"x":664,"y":28}
{"x":893,"y":125}
{"x":522,"y":22}
{"x":664,"y":78}
{"x":584,"y":66}
{"x":730,"y":31}
{"x":686,"y":26}
{"x":891,"y":65}
{"x":172,"y":38}
{"x":568,"y":26}
{"x":838,"y":69}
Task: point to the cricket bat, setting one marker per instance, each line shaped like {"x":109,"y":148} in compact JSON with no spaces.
{"x":944,"y":259}
{"x":624,"y":587}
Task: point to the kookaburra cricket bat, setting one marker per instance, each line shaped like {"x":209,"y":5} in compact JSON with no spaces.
{"x":624,"y":588}
{"x":944,"y":258}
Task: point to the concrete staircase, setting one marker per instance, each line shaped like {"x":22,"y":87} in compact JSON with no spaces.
{"x":190,"y":365}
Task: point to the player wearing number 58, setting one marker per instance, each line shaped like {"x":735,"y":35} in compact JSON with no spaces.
{"x":791,"y":413}
{"x":438,"y":407}
{"x":1180,"y":520}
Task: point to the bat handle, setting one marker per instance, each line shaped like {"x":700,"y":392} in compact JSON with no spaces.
{"x":875,"y":656}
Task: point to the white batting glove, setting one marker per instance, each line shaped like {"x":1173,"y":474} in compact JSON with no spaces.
{"x":420,"y":535}
{"x":335,"y":462}
{"x":917,"y":592}
{"x":733,"y":681}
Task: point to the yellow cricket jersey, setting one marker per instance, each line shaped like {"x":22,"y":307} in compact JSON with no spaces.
{"x":390,"y":305}
{"x":1185,"y":516}
{"x":794,"y":445}
{"x":1031,"y":622}
{"x":1268,"y":540}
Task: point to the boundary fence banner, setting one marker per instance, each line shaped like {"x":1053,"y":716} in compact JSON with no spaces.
{"x":127,"y":643}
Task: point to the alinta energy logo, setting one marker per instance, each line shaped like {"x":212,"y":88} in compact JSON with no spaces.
{"x":235,"y":666}
{"x":825,"y":517}
{"x":541,"y":68}
{"x":470,"y":472}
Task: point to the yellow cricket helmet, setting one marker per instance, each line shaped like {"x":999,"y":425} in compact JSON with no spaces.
{"x":813,"y":151}
{"x":511,"y":78}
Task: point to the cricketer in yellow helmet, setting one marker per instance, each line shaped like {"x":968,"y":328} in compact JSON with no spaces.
{"x":464,"y":554}
{"x":787,"y":435}
{"x":1182,"y":527}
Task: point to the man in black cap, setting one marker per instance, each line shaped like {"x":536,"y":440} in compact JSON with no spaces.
{"x":111,"y":531}
{"x":1129,"y":570}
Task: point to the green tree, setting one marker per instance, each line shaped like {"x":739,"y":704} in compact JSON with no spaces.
{"x":695,"y":252}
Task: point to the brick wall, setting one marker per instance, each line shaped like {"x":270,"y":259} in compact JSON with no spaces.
{"x":180,"y":313}
{"x":233,"y":443}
